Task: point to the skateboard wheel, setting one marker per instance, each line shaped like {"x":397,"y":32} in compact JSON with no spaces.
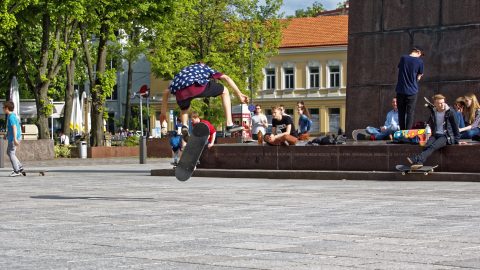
{"x":403,"y":173}
{"x":426,"y":173}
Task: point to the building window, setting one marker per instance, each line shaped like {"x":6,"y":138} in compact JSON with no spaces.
{"x":333,"y":119}
{"x":334,"y":76}
{"x":314,"y":77}
{"x":270,"y":77}
{"x":315,"y":117}
{"x":289,"y":78}
{"x":268,"y":113}
{"x":114,"y":95}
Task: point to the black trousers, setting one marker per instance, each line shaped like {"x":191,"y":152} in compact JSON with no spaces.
{"x":434,"y":143}
{"x":406,"y":110}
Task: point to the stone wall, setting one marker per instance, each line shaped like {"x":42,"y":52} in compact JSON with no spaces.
{"x":380,"y":31}
{"x":30,"y":150}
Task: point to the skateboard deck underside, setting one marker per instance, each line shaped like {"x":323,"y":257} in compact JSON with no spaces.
{"x":193,"y":151}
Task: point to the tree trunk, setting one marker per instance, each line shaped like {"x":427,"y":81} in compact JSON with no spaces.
{"x":98,"y":96}
{"x":128,"y":109}
{"x":67,"y":109}
{"x":42,"y":102}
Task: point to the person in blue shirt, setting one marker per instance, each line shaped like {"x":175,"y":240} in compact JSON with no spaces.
{"x":384,"y":132}
{"x":410,"y":71}
{"x":459,"y":107}
{"x":304,"y":122}
{"x":14,"y":136}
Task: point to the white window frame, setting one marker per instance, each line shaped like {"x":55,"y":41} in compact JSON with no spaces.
{"x":310,"y":64}
{"x":335,"y":63}
{"x":284,"y":66}
{"x":269,"y":66}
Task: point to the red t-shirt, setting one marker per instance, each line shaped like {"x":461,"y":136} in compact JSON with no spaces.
{"x":194,"y":89}
{"x":211,"y":128}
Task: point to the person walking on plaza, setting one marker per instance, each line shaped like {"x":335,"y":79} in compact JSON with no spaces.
{"x":14,"y":135}
{"x":444,"y":131}
{"x":196,"y":81}
{"x":410,"y":71}
{"x":259,"y":124}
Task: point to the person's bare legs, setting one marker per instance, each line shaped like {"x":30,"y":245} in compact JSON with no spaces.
{"x":227,"y":106}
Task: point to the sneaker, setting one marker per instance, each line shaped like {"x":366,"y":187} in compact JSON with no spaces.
{"x":184,"y":131}
{"x":355,"y":134}
{"x":234,"y":128}
{"x":416,"y":166}
{"x":14,"y":174}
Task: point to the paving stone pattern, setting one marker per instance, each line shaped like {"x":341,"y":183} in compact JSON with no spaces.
{"x":109,"y":215}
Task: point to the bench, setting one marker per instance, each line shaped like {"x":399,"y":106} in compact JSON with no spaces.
{"x":29,"y":132}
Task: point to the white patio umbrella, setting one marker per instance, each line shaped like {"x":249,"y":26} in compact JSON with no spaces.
{"x":86,"y":114}
{"x":76,"y":122}
{"x":15,"y":96}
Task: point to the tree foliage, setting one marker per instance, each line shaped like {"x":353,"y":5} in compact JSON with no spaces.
{"x":311,"y":11}
{"x":221,"y":34}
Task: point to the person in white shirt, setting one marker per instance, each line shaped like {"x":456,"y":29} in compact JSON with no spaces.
{"x":258,"y":123}
{"x":64,"y":140}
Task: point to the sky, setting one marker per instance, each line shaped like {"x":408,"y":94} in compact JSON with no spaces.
{"x":289,"y":6}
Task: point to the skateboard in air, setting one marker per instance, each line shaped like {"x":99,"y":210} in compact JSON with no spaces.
{"x":197,"y":141}
{"x":408,"y":170}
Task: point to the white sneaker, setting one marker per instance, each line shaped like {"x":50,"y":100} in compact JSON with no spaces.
{"x":355,"y":134}
{"x":14,"y":174}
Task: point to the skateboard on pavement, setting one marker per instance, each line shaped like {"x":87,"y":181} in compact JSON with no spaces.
{"x":39,"y":172}
{"x":408,"y":170}
{"x":193,"y":150}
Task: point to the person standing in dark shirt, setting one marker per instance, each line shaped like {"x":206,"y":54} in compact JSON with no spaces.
{"x":283,"y":129}
{"x":410,"y":71}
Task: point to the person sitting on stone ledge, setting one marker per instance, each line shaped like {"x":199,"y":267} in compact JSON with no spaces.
{"x":283,"y":124}
{"x":471,"y":116}
{"x":444,"y":131}
{"x":459,"y":107}
{"x":304,"y":122}
{"x":213,"y":132}
{"x":389,"y":127}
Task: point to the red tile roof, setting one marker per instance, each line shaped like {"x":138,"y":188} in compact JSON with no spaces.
{"x":316,"y":32}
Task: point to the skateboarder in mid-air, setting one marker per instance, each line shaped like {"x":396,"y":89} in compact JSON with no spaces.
{"x":195,"y":81}
{"x":444,"y":131}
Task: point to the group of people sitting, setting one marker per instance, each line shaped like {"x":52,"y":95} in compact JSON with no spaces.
{"x":448,"y":125}
{"x":466,"y":111}
{"x":283,"y":127}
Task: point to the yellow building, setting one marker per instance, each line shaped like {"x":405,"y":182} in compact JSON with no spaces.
{"x":311,"y":66}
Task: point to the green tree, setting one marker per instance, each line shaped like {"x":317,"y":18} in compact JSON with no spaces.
{"x":104,"y":20}
{"x":342,"y":4}
{"x":312,"y":11}
{"x":217,"y":33}
{"x":9,"y":54}
{"x":45,"y":36}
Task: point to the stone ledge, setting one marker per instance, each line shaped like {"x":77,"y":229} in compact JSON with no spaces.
{"x":349,"y":157}
{"x":326,"y":175}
